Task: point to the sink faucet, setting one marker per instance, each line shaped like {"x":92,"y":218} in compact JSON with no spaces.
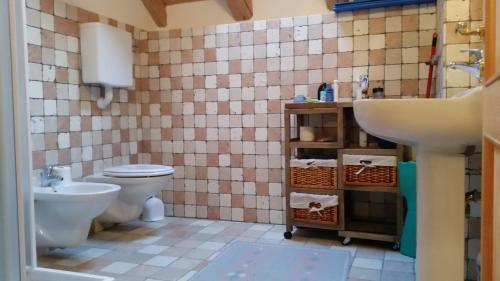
{"x":48,"y":179}
{"x":474,"y":67}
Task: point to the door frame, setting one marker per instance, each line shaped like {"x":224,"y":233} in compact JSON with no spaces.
{"x":14,"y":166}
{"x":490,"y":143}
{"x":18,"y":259}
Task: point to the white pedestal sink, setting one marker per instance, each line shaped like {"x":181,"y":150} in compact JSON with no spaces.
{"x":440,"y":129}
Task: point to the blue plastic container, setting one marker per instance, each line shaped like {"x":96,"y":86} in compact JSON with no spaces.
{"x":329,"y":93}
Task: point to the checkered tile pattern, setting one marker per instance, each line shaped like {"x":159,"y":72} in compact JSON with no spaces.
{"x":449,"y":81}
{"x":215,"y":107}
{"x":176,"y":248}
{"x":209,"y":100}
{"x":67,"y":128}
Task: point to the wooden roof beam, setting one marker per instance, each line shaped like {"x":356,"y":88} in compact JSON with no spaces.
{"x":156,"y":9}
{"x":241,"y":9}
{"x":330,"y":3}
{"x":173,"y":2}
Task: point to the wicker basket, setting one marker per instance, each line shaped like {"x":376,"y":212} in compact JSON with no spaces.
{"x":328,"y":215}
{"x":314,"y":176}
{"x":376,"y":176}
{"x":378,"y":171}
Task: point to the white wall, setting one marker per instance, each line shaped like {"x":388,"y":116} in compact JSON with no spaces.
{"x":198,"y":13}
{"x":132,"y":12}
{"x":212,"y":12}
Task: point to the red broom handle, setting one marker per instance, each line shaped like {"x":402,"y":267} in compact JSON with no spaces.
{"x":431,"y":65}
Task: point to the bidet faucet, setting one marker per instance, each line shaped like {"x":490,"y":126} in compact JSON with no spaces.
{"x":48,"y":179}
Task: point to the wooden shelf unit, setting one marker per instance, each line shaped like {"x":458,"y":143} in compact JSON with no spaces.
{"x":295,"y":143}
{"x":369,"y":229}
{"x":292,"y":144}
{"x":326,"y":191}
{"x":344,"y":144}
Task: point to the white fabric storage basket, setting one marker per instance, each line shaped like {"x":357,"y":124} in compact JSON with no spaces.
{"x":372,"y":170}
{"x":374,"y":160}
{"x":315,"y":208}
{"x":313,"y":173}
{"x":308,"y":163}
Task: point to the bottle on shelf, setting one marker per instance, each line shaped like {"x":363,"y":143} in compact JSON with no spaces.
{"x":329,"y":93}
{"x":335,"y":90}
{"x":363,"y":138}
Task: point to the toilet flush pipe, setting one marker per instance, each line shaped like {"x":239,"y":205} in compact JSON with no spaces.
{"x":103,"y":102}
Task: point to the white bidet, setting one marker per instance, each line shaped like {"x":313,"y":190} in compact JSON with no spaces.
{"x":63,"y":214}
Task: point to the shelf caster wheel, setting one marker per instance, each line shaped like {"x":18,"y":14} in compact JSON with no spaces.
{"x":346,"y":241}
{"x":395,"y":247}
{"x":287,"y":235}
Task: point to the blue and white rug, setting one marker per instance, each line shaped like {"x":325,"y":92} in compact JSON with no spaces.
{"x":244,"y":261}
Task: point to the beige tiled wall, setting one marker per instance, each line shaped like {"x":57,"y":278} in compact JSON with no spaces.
{"x":67,"y":128}
{"x":209,"y":100}
{"x":215,"y":107}
{"x":451,"y":12}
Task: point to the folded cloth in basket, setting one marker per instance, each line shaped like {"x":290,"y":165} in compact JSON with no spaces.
{"x":308,"y":163}
{"x":369,"y":160}
{"x":303,"y":200}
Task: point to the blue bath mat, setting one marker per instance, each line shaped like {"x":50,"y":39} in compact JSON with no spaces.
{"x":244,"y":261}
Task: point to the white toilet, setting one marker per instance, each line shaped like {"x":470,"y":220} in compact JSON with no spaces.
{"x":63,"y":214}
{"x":138,"y":182}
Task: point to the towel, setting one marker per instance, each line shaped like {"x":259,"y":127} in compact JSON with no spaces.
{"x":308,"y":163}
{"x":372,"y":160}
{"x":369,"y":161}
{"x":303,"y":201}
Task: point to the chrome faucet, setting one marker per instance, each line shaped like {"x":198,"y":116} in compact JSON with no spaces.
{"x":474,"y":67}
{"x":48,"y":179}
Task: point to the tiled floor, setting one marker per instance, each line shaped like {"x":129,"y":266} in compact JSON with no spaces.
{"x":175,"y":248}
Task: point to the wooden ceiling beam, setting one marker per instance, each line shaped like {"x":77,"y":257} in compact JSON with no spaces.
{"x":173,"y":2}
{"x":156,"y":9}
{"x":241,"y":9}
{"x":330,"y":3}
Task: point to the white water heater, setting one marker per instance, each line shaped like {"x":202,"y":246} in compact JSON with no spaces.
{"x":107,"y":58}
